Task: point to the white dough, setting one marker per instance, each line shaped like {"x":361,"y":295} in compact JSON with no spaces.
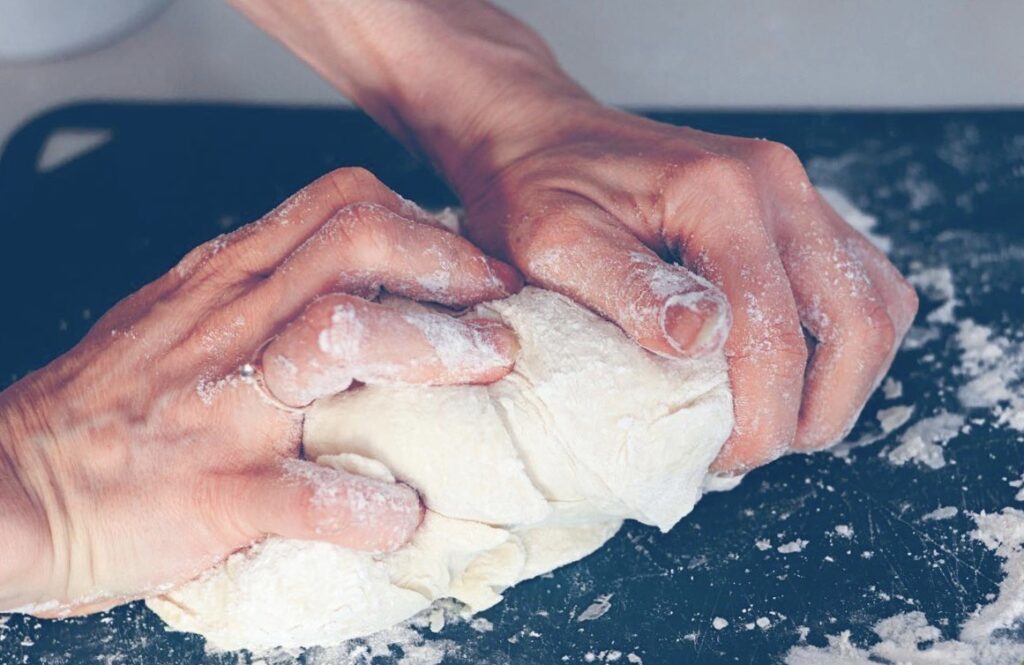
{"x":519,"y":477}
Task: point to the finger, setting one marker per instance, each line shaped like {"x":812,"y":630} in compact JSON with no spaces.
{"x":257,"y":248}
{"x":722,"y":234}
{"x":849,"y":320}
{"x":899,"y":296}
{"x":664,"y":307}
{"x":857,"y":306}
{"x":341,"y":338}
{"x":364,"y":247}
{"x":848,"y":295}
{"x":307,"y":501}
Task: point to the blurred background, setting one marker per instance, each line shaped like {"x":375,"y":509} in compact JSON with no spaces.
{"x":693,"y":54}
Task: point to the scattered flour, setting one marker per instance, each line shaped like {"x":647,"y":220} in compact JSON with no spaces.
{"x":892,"y":389}
{"x":994,"y":368}
{"x":942,"y":513}
{"x":855,"y":217}
{"x":597,"y":609}
{"x":401,"y":645}
{"x":844,"y":530}
{"x":793,"y":546}
{"x":922,"y":443}
{"x":1019,"y":483}
{"x":909,"y":639}
{"x":894,"y":417}
{"x":937,"y":284}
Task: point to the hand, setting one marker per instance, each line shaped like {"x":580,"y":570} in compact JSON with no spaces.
{"x":145,"y":455}
{"x":598,"y":204}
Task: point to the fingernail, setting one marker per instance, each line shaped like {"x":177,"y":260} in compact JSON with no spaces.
{"x":509,"y":278}
{"x":499,"y":337}
{"x":372,"y":514}
{"x":392,"y":510}
{"x":697,"y":324}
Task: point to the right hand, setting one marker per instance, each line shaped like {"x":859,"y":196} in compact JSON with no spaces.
{"x":143,"y":456}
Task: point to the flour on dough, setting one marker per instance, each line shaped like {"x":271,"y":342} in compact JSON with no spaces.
{"x":518,"y":477}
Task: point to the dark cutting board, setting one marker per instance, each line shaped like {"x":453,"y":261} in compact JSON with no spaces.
{"x":948,"y":188}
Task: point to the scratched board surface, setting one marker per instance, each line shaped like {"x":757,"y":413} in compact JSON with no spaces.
{"x":80,"y":231}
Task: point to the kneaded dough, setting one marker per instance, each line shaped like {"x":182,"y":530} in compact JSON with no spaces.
{"x":518,"y":477}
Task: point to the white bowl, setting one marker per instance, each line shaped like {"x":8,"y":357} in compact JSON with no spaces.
{"x":50,"y":29}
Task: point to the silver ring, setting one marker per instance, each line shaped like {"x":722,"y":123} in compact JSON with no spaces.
{"x":251,"y":373}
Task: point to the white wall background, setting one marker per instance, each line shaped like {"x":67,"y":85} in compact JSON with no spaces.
{"x":693,"y":53}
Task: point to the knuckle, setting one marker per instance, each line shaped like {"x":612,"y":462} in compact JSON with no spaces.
{"x":200,"y":259}
{"x":225,"y":259}
{"x":319,"y":313}
{"x":556,"y":229}
{"x":365,"y":230}
{"x":726,"y":177}
{"x":791,"y":349}
{"x":351,"y":180}
{"x":308,"y":512}
{"x":780,"y":157}
{"x":785,"y":168}
{"x":778,"y":356}
{"x":722,"y":201}
{"x":548,"y":242}
{"x":874,"y":330}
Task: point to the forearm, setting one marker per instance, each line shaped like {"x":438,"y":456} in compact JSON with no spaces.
{"x":444,"y":76}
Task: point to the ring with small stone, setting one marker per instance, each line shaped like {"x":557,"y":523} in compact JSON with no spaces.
{"x":252,"y":374}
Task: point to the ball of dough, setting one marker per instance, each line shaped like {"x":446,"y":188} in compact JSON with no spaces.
{"x":518,"y":477}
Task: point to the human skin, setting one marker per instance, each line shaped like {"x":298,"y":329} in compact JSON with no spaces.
{"x":145,"y":454}
{"x":142,"y":457}
{"x":601,"y":205}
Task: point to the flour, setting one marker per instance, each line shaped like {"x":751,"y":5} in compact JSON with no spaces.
{"x":894,"y":417}
{"x":941,"y":513}
{"x":909,"y":639}
{"x":994,"y":367}
{"x":855,"y":217}
{"x":793,"y":546}
{"x":988,"y":369}
{"x":937,"y":284}
{"x":597,"y":609}
{"x":892,"y":389}
{"x":1019,"y":483}
{"x":922,"y":442}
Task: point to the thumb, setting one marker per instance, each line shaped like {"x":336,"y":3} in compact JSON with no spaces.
{"x":664,"y":307}
{"x":308,"y":501}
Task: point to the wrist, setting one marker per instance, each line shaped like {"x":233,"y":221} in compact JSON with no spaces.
{"x":466,"y":85}
{"x":26,"y":554}
{"x":459,"y":81}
